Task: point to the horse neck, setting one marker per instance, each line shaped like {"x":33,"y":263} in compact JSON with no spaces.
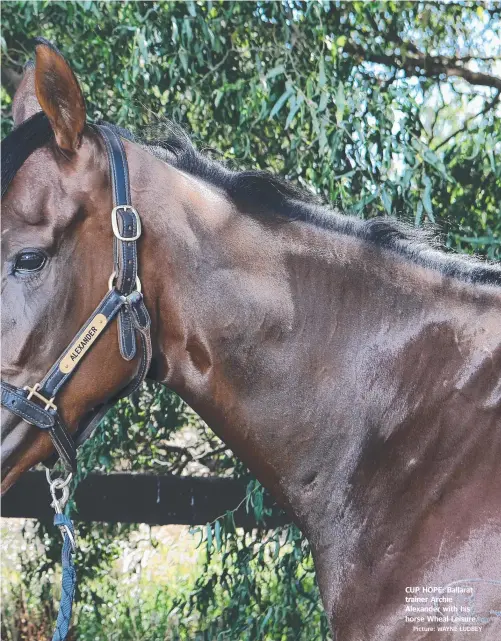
{"x":313,"y":355}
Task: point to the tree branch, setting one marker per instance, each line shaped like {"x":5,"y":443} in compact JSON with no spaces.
{"x":486,"y":108}
{"x":211,"y":453}
{"x":416,"y":63}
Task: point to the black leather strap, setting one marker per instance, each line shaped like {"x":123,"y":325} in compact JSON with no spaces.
{"x":64,"y":444}
{"x":118,"y":165}
{"x":141,"y":320}
{"x":125,"y":219}
{"x":17,"y":401}
{"x":127,"y":229}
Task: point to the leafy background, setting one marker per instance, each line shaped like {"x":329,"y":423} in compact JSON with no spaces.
{"x":379,"y":107}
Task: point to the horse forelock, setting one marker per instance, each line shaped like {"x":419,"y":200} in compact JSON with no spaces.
{"x":17,"y":147}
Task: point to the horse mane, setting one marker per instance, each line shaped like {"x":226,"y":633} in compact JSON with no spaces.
{"x":258,"y":191}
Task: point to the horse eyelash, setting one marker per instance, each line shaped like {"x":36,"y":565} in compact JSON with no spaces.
{"x":31,"y":278}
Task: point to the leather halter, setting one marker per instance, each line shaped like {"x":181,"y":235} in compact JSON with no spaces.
{"x":36,"y":404}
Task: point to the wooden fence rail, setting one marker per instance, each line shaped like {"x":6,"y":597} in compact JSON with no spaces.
{"x":137,"y":498}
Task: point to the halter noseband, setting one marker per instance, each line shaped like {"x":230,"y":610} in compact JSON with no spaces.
{"x":35,"y":404}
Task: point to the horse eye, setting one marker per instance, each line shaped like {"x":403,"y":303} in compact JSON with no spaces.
{"x":29,"y":260}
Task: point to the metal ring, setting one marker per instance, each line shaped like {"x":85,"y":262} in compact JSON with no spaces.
{"x":112,"y":278}
{"x":64,"y":482}
{"x":59,"y":484}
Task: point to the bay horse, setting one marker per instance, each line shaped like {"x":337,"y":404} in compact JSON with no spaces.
{"x":352,"y":366}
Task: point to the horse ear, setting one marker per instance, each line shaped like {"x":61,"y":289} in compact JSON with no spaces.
{"x":25,"y":103}
{"x":59,"y":95}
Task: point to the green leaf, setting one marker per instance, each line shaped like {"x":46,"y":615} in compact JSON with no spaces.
{"x":209,"y":537}
{"x":492,"y":161}
{"x":321,"y":72}
{"x":280,"y":102}
{"x":340,"y":103}
{"x":217,"y":97}
{"x":324,"y":99}
{"x":183,"y":57}
{"x":174,"y":30}
{"x":265,"y":620}
{"x":428,"y":207}
{"x":419,"y":214}
{"x":276,"y":71}
{"x":296,"y":103}
{"x":217,"y":534}
{"x":387,"y":199}
{"x":187,"y":30}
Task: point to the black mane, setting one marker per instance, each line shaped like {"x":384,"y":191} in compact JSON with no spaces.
{"x":261,"y":191}
{"x":21,"y":143}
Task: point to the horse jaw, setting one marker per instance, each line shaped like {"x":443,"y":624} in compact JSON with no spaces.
{"x":23,"y":446}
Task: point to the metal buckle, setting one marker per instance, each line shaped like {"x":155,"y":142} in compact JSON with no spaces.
{"x":112,"y":278}
{"x":33,"y":391}
{"x":114,"y":223}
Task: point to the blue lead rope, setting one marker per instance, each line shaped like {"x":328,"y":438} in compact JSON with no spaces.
{"x":69,"y":578}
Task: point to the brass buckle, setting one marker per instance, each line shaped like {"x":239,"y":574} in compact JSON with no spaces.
{"x":114,"y":223}
{"x":33,"y":391}
{"x":112,"y":278}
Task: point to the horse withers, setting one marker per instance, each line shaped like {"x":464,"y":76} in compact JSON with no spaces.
{"x":355,"y":369}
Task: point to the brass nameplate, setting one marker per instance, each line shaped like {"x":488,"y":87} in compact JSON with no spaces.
{"x":83,"y":343}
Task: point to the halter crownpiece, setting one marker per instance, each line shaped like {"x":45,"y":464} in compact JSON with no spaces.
{"x":36,"y":403}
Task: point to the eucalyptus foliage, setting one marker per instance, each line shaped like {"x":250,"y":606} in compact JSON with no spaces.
{"x":378,"y":107}
{"x":300,"y":89}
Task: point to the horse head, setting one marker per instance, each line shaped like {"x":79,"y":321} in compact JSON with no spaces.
{"x":56,"y":256}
